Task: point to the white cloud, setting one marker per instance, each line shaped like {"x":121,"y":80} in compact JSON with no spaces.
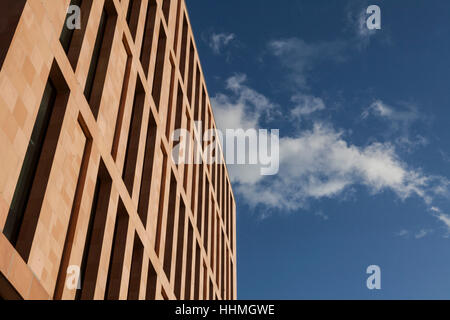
{"x":442,"y":217}
{"x":306,"y":105}
{"x":218,"y":41}
{"x":380,"y":109}
{"x":422,"y":233}
{"x":319,"y":162}
{"x":399,"y":123}
{"x":243,"y":108}
{"x":402,"y":233}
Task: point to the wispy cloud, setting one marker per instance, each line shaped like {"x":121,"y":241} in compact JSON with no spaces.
{"x":300,"y":57}
{"x":306,"y":105}
{"x":319,"y":162}
{"x":218,"y":41}
{"x":402,"y":233}
{"x":442,"y":217}
{"x":399,"y":122}
{"x":321,"y":215}
{"x":422,"y":233}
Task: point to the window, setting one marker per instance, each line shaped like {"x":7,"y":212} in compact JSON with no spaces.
{"x":100,"y":57}
{"x":94,"y":237}
{"x":136,"y":269}
{"x":159,"y":68}
{"x":72,"y":39}
{"x":148,"y":35}
{"x":30,"y":189}
{"x":133,"y":16}
{"x":10,"y":12}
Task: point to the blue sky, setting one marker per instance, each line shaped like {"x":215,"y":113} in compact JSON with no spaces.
{"x":364,"y":155}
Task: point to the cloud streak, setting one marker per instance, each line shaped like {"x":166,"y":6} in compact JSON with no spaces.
{"x":218,"y":41}
{"x":319,"y":162}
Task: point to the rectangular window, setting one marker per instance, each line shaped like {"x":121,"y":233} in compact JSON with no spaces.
{"x":170,"y":105}
{"x":189,"y":261}
{"x":123,"y":99}
{"x":134,"y":136}
{"x":133,"y":12}
{"x":213,"y":232}
{"x":10,"y":13}
{"x":95,"y":81}
{"x":197,"y":272}
{"x":30,"y":189}
{"x":162,"y":191}
{"x":136,"y":269}
{"x":94,"y":237}
{"x":68,"y":30}
{"x":177,"y":26}
{"x":115,"y":270}
{"x":74,"y":215}
{"x":191,"y":73}
{"x":159,"y":68}
{"x":206,"y":217}
{"x":149,"y":29}
{"x":218,"y":229}
{"x":183,"y":47}
{"x":71,"y":38}
{"x":196,"y":107}
{"x":205,"y":281}
{"x":180,"y":249}
{"x":188,"y":154}
{"x":200,"y":197}
{"x":151,"y":282}
{"x":166,"y":10}
{"x":211,"y":290}
{"x":223,"y":266}
{"x":196,"y":168}
{"x":170,"y":227}
{"x":147,"y":171}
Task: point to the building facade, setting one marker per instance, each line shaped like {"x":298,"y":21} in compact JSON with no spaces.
{"x":92,"y":203}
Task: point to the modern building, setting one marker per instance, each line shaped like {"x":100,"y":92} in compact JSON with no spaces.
{"x":92,"y":203}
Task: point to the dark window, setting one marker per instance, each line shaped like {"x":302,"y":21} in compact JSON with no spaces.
{"x":30,"y":189}
{"x":149,"y":29}
{"x":10,"y":12}
{"x":166,"y":10}
{"x":72,"y":39}
{"x":189,"y":260}
{"x":67,"y":33}
{"x":147,"y":171}
{"x":136,"y":268}
{"x":133,"y":16}
{"x":94,"y":237}
{"x":170,"y":227}
{"x":134,"y":135}
{"x":159,"y":68}
{"x":180,"y":249}
{"x":117,"y":254}
{"x":151,"y":283}
{"x":74,"y":215}
{"x":183,"y":47}
{"x":100,"y":57}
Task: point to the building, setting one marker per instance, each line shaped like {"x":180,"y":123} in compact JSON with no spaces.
{"x":88,"y":186}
